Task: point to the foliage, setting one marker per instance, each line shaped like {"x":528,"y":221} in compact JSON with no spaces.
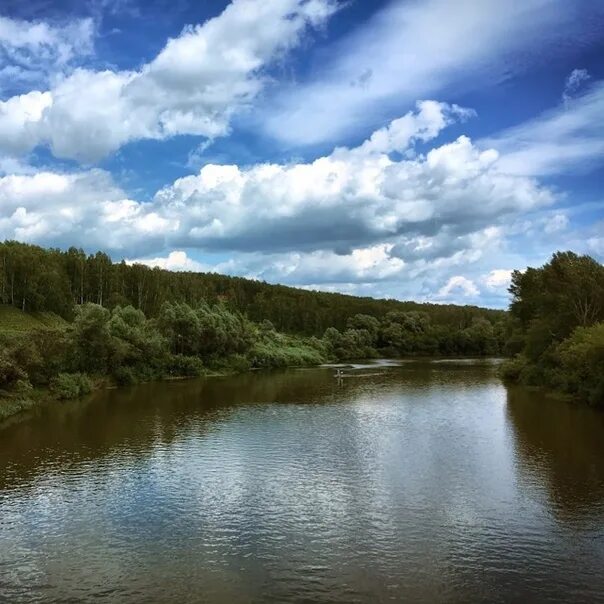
{"x":14,"y":321}
{"x":581,"y":364}
{"x":92,"y":339}
{"x":185,"y":366}
{"x":558,"y":333}
{"x":70,"y":385}
{"x":10,"y":373}
{"x":65,"y":315}
{"x":512,"y":369}
{"x":34,"y":279}
{"x":15,"y":404}
{"x":275,"y":350}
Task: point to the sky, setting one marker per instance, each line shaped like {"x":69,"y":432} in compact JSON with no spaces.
{"x":410,"y":149}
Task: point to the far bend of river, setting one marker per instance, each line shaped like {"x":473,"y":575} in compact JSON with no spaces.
{"x":420,"y":482}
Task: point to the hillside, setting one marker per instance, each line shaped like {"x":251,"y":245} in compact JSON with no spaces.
{"x":14,"y":320}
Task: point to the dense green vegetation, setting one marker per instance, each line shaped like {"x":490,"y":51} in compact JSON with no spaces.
{"x":68,"y":320}
{"x":126,"y":347}
{"x":36,"y":279}
{"x":558,"y":331}
{"x":123,"y":346}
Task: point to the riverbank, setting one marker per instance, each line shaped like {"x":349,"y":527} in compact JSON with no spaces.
{"x":123,"y":347}
{"x":16,"y":403}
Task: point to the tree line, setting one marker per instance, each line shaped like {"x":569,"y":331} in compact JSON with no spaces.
{"x":130,"y":323}
{"x":557,"y":329}
{"x":37,"y":279}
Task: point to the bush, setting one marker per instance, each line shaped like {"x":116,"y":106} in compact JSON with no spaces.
{"x":185,"y":366}
{"x":124,"y":376}
{"x":267,"y":355}
{"x":10,"y":373}
{"x":12,"y":406}
{"x":70,"y":385}
{"x":581,"y":364}
{"x":511,"y":369}
{"x":238,"y":363}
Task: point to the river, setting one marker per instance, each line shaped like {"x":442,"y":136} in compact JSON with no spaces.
{"x":411,"y":481}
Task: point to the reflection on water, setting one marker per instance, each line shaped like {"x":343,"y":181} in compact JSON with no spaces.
{"x":561,"y":450}
{"x":423,"y":481}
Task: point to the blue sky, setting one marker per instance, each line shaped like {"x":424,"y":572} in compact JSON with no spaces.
{"x":398,"y":148}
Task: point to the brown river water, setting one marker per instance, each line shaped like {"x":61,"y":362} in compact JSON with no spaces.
{"x":401,"y":482}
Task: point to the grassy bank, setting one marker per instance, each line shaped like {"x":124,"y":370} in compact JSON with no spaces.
{"x":15,"y":321}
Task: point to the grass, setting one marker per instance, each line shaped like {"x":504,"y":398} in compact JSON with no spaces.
{"x":17,"y":404}
{"x":14,"y":320}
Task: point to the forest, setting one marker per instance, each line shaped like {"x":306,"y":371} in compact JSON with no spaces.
{"x":37,"y":279}
{"x":116,"y":323}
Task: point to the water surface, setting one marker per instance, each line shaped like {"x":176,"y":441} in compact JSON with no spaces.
{"x":423,"y":482}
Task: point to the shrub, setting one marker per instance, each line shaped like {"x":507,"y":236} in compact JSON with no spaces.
{"x":10,"y":373}
{"x":124,"y":376}
{"x":581,"y":364}
{"x":185,"y":366}
{"x":239,"y":363}
{"x":511,"y":369}
{"x":70,"y":385}
{"x":274,"y":354}
{"x":12,"y":406}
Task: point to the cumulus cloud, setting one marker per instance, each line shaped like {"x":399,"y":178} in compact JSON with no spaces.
{"x":320,"y":268}
{"x":556,"y":223}
{"x":177,"y":260}
{"x":375,"y":213}
{"x":193,"y":86}
{"x":459,"y":285}
{"x":498,"y":279}
{"x":32,"y":51}
{"x":351,"y":199}
{"x":84,"y":208}
{"x":596,"y":246}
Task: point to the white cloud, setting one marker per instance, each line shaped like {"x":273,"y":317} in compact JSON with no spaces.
{"x":459,"y":285}
{"x":362,"y":265}
{"x":413,"y":49}
{"x":85,"y":209}
{"x":349,"y":200}
{"x":177,"y":260}
{"x":498,"y":279}
{"x":556,"y":223}
{"x":32,"y":51}
{"x":567,"y":138}
{"x":193,"y":86}
{"x":596,"y":246}
{"x":573,"y":83}
{"x":19,"y":117}
{"x":374,"y":214}
{"x":425,"y":124}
